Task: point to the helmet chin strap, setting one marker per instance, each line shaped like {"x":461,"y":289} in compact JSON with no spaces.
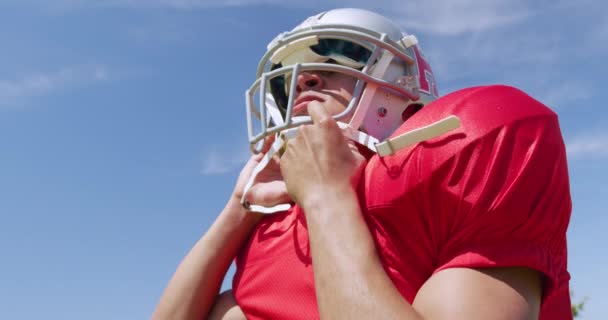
{"x":274,"y":148}
{"x":277,"y":145}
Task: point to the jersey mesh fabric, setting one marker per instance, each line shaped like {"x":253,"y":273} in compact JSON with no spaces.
{"x":494,"y":193}
{"x":274,"y":278}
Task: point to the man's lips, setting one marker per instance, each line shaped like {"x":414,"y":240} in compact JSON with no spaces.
{"x":300,"y":106}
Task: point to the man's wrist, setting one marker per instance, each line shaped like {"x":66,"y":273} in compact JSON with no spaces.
{"x":238,"y":214}
{"x":339,"y":196}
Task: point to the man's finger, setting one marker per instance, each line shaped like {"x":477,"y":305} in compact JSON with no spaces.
{"x":317,"y":112}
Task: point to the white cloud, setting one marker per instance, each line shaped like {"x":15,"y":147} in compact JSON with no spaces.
{"x":596,"y":40}
{"x":164,"y":33}
{"x":28,"y":85}
{"x":587,"y":145}
{"x":15,"y":90}
{"x":435,"y":16}
{"x":176,"y":4}
{"x":498,"y":56}
{"x":101,"y":73}
{"x":217,"y":160}
{"x":566,"y":93}
{"x":447,"y":17}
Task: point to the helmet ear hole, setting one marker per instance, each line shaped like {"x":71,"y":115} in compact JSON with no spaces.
{"x":410,"y":110}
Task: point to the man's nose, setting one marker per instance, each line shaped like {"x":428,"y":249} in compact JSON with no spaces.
{"x":309,"y":81}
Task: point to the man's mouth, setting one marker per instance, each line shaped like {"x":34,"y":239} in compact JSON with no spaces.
{"x":300,"y":106}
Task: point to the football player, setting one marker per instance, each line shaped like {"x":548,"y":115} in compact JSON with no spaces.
{"x":383,"y":201}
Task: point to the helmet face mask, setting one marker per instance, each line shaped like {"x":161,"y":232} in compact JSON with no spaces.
{"x":386,"y":63}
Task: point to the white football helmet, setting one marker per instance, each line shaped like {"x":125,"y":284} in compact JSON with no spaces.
{"x":392,"y":74}
{"x":394,"y":80}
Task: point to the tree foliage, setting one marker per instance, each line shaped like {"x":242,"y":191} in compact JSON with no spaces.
{"x":577,"y":308}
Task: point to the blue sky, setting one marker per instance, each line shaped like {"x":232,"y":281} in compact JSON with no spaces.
{"x":122,"y":129}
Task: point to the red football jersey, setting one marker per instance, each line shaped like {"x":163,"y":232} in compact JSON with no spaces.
{"x":493,"y":193}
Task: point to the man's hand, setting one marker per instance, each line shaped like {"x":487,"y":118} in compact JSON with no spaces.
{"x":320,"y":158}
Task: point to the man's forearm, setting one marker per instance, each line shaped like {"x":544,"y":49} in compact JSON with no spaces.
{"x":194,"y":286}
{"x":349,"y":278}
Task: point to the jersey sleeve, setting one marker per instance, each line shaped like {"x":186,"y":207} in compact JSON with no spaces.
{"x":505,"y":201}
